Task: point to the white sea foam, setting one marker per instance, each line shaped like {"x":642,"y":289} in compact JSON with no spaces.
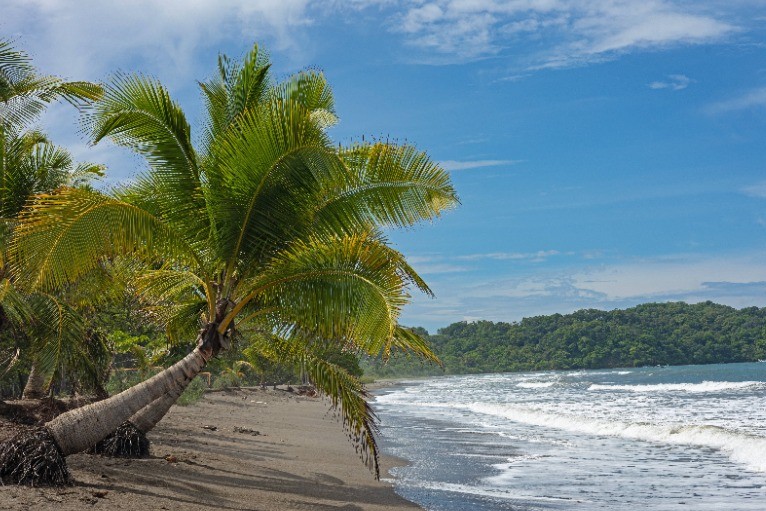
{"x":536,"y":384}
{"x":747,"y":449}
{"x":484,"y":491}
{"x":705,"y":386}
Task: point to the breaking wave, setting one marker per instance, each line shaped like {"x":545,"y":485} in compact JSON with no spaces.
{"x":705,"y":386}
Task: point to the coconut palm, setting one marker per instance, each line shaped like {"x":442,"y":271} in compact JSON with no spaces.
{"x":30,"y":164}
{"x":266,"y":225}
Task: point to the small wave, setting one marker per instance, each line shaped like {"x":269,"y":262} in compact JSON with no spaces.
{"x":536,"y":384}
{"x":747,"y":449}
{"x":705,"y":386}
{"x":485,"y":491}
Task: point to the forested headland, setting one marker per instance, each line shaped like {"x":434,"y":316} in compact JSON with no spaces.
{"x":674,"y":333}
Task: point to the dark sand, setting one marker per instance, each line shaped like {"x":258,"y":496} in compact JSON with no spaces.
{"x":299,"y":460}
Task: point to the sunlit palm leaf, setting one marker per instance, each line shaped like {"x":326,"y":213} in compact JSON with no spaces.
{"x":138,"y":112}
{"x":64,"y":235}
{"x":311,"y":90}
{"x":385,"y":185}
{"x":264,"y":168}
{"x":182,"y":321}
{"x":345,"y":288}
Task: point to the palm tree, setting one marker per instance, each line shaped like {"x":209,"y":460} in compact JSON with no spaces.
{"x":30,"y":164}
{"x":266,"y":225}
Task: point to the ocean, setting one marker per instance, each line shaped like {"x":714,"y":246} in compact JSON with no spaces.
{"x":655,"y":438}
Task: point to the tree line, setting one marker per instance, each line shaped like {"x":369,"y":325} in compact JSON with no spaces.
{"x":674,"y":333}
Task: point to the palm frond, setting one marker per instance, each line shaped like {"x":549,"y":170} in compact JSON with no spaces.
{"x":169,"y":284}
{"x":14,"y":305}
{"x":138,"y":112}
{"x":182,"y":320}
{"x":24,"y":94}
{"x":260,"y":184}
{"x":64,"y":235}
{"x":385,"y":184}
{"x":311,"y":90}
{"x":407,"y":341}
{"x":346,"y":393}
{"x":346,"y":288}
{"x":238,"y":87}
{"x":62,"y":334}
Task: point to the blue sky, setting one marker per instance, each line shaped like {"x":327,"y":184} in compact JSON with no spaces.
{"x":606,"y":152}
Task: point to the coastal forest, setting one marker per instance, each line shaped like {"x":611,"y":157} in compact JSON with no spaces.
{"x":674,"y":333}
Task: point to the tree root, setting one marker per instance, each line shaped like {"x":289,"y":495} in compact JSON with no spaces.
{"x":32,"y":458}
{"x":127,"y":441}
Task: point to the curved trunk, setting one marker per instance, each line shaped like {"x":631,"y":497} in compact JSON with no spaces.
{"x":80,"y":429}
{"x":148,"y":417}
{"x":35,"y":387}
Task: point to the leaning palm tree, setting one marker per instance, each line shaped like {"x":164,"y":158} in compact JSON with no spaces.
{"x":266,"y":224}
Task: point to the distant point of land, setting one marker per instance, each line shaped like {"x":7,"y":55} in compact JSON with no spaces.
{"x":673,"y":333}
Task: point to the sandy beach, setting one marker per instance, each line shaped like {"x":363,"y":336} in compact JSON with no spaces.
{"x":240,"y":450}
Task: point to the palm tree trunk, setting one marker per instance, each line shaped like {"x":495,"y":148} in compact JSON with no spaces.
{"x":148,"y":417}
{"x":35,"y":387}
{"x":81,"y":428}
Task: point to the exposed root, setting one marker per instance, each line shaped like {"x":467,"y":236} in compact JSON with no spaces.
{"x":33,"y":458}
{"x":127,"y":441}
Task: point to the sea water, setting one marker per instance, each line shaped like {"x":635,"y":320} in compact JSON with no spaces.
{"x":658,"y":438}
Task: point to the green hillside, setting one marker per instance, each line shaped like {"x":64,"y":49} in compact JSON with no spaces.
{"x":650,"y":334}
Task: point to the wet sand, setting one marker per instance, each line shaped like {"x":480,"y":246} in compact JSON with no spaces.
{"x":240,"y":450}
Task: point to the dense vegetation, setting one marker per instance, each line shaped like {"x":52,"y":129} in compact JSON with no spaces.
{"x":650,"y":334}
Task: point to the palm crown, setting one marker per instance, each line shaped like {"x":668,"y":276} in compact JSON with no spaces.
{"x":265,"y":226}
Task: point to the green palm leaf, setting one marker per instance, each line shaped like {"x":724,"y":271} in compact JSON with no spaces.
{"x":62,"y":334}
{"x":24,"y":94}
{"x":385,"y":184}
{"x":346,"y":392}
{"x":64,"y":235}
{"x":348,"y":288}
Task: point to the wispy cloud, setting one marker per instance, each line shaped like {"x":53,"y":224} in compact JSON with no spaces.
{"x":673,"y":82}
{"x":756,"y":190}
{"x":538,"y":256}
{"x":567,"y":32}
{"x":475,"y":164}
{"x":739,"y":281}
{"x":755,"y":98}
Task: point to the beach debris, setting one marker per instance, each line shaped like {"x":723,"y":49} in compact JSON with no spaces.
{"x":246,"y":431}
{"x":100,"y":494}
{"x":307,"y":390}
{"x":171,"y":458}
{"x":211,"y":428}
{"x":127,"y":441}
{"x":32,"y":458}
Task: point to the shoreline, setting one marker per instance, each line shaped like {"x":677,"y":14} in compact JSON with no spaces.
{"x":238,"y":450}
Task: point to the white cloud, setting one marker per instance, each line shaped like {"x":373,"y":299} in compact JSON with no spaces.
{"x":739,"y":281}
{"x":568,"y":32}
{"x":755,"y":98}
{"x":89,"y":38}
{"x":673,"y":82}
{"x":475,"y":164}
